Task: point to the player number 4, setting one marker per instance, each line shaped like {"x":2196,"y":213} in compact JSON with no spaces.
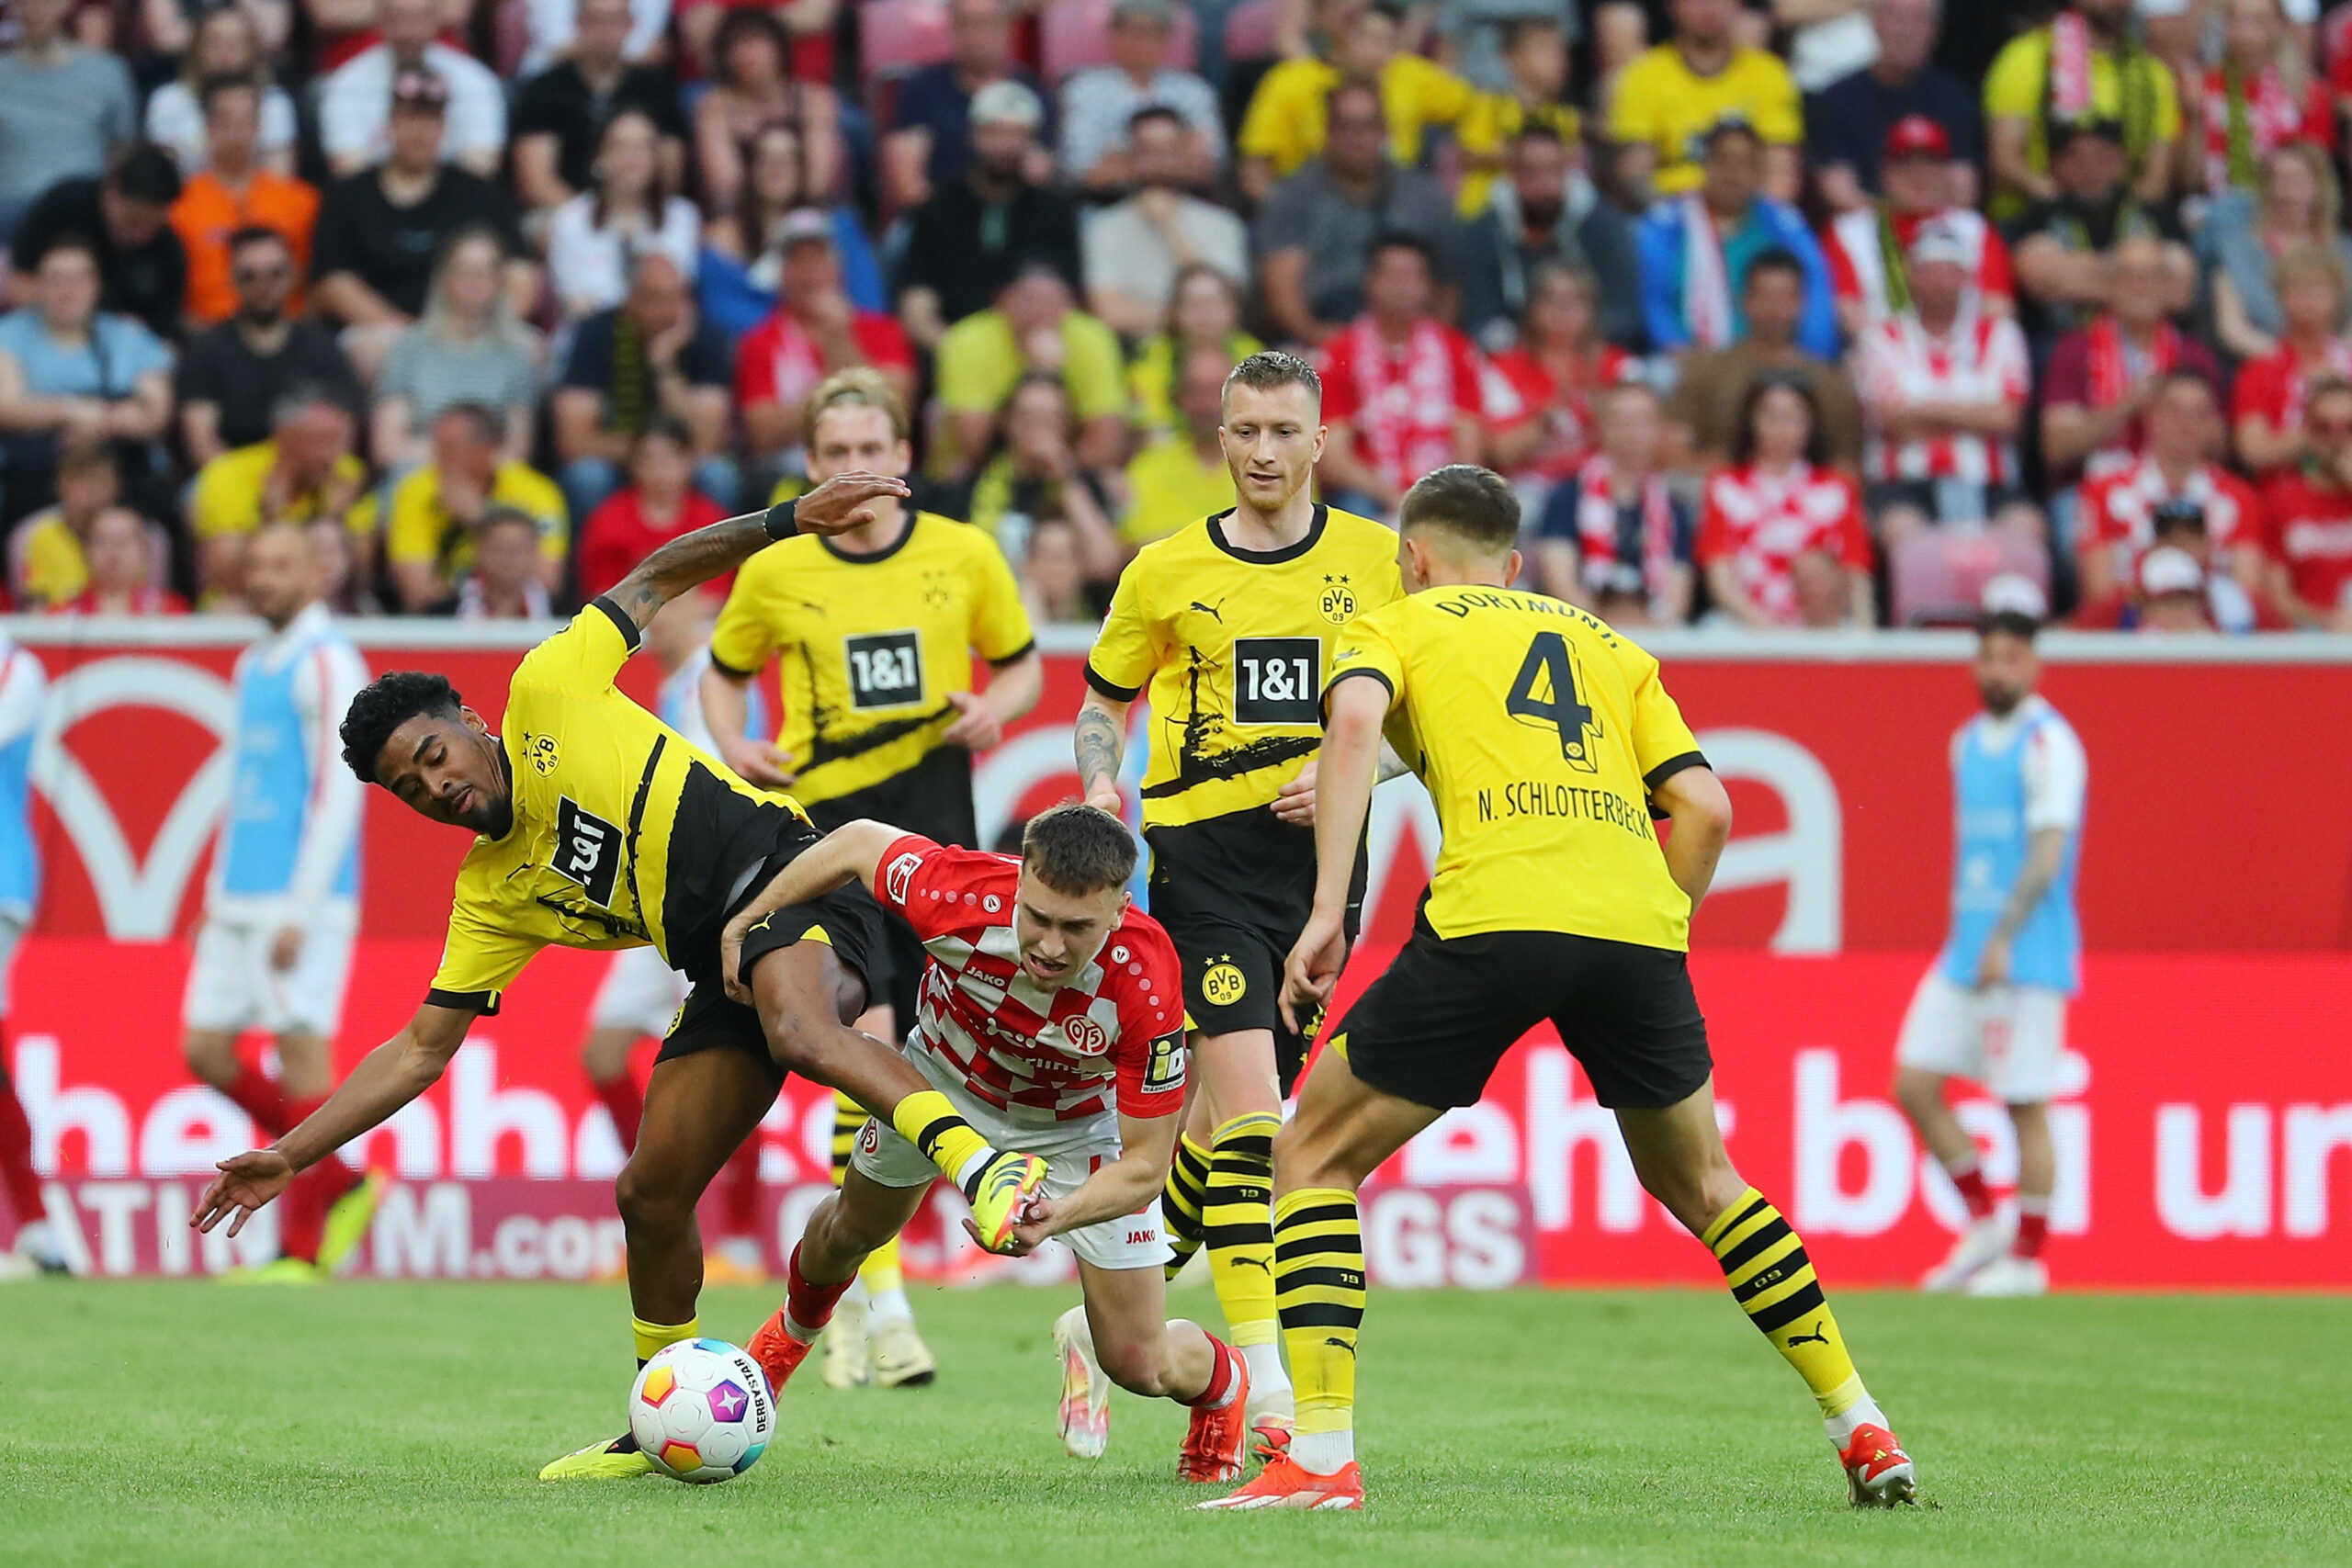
{"x":1544,"y":693}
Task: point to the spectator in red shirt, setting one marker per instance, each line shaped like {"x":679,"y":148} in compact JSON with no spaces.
{"x":2101,"y":377}
{"x":1777,"y":501}
{"x":2308,"y":579}
{"x":1867,"y":248}
{"x":2266,"y":407}
{"x":2174,"y":473}
{"x":1401,"y":389}
{"x":659,"y":503}
{"x":1559,"y":365}
{"x":2263,"y":94}
{"x":816,"y":331}
{"x":120,"y":582}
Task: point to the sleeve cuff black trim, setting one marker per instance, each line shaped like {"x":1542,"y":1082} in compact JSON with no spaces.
{"x":1672,"y":766}
{"x":1016,"y":656}
{"x":1110,"y":688}
{"x":1386,"y":684}
{"x":729,"y":671}
{"x":626,"y":627}
{"x":482,"y":1002}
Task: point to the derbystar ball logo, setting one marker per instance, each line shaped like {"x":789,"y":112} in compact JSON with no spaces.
{"x":901,"y":876}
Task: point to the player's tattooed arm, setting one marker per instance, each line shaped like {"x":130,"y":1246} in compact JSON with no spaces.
{"x":1098,"y":738}
{"x":841,"y":503}
{"x":1392,"y":766}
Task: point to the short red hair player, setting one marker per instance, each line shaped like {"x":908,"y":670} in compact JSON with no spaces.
{"x":1051,"y":1014}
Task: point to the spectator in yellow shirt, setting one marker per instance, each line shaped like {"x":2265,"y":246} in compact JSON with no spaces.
{"x":1286,"y":124}
{"x":47,"y":561}
{"x":305,"y":470}
{"x":1034,"y":327}
{"x":1203,"y":311}
{"x":1536,"y":53}
{"x":1182,"y":478}
{"x":2085,"y":65}
{"x":430,"y":538}
{"x":1668,"y":97}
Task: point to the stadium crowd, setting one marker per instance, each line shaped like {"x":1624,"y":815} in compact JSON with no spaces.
{"x":1818,"y":314}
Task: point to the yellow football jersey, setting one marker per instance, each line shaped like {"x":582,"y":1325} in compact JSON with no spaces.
{"x":1658,"y":100}
{"x":1231,"y":647}
{"x":868,"y":647}
{"x":1539,"y":733}
{"x":623,"y":834}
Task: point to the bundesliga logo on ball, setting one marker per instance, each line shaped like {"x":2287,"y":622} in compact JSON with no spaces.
{"x":701,"y":1411}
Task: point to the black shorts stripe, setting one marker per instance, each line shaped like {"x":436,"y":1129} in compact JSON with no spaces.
{"x":1779,"y":1314}
{"x":482,"y":1002}
{"x":1780,"y":1273}
{"x":1766,"y":1235}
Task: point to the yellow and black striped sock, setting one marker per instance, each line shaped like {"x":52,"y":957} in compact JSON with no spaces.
{"x":1237,"y":1224}
{"x":653,"y":1337}
{"x":1318,"y":1278}
{"x":927,"y":1119}
{"x":1772,"y":1279}
{"x":880,"y":1271}
{"x":1181,"y":1203}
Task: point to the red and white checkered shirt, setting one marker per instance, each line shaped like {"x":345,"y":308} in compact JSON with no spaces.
{"x":1761,"y":523}
{"x":2119,"y":509}
{"x":1856,"y":253}
{"x":1981,"y":360}
{"x":1113,"y":1037}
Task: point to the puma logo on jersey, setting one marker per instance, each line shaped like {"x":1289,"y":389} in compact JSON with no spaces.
{"x":1814,"y":1339}
{"x":1339,"y":1343}
{"x":1266,"y":1263}
{"x":1213,"y":611}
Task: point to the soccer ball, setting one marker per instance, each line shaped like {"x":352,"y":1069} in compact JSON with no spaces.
{"x":701,"y":1411}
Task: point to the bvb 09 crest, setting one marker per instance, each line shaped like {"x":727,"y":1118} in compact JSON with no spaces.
{"x":1339,"y":601}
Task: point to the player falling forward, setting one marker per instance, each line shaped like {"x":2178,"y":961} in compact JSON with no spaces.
{"x":874,"y":634}
{"x":641,"y":994}
{"x":283,"y":909}
{"x":598,"y":827}
{"x":23,"y":685}
{"x":1229,"y":624}
{"x":1051,"y":1016}
{"x":1548,"y":741}
{"x":1993,"y":1007}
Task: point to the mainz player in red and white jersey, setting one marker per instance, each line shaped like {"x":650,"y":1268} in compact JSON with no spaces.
{"x":1052,"y":1012}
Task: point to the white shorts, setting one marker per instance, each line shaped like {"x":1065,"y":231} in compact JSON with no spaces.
{"x":2009,"y":1039}
{"x":640,"y":992}
{"x":232,"y":987}
{"x":1071,"y":1150}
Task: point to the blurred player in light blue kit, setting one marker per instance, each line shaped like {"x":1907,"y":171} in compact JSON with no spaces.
{"x":641,"y":994}
{"x":283,"y":909}
{"x":22,"y":686}
{"x":1993,"y":1010}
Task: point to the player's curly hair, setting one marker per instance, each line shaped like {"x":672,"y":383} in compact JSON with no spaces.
{"x":384,"y":705}
{"x":1079,"y":849}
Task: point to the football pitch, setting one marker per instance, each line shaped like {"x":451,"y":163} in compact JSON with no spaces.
{"x":393,"y":1424}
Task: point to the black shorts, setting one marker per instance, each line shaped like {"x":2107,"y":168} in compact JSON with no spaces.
{"x":933,"y":799}
{"x":847,"y":919}
{"x":1431,"y":1029}
{"x":1233,"y":893}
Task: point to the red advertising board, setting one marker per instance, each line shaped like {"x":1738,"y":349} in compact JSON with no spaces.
{"x":2205,"y":1130}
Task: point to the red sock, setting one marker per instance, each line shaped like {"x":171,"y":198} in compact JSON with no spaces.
{"x":806,"y":1306}
{"x":2034,"y":1227}
{"x":1972,"y":1190}
{"x":740,"y":1202}
{"x":261,"y":1100}
{"x":16,"y":1174}
{"x":626,"y":1101}
{"x":1225,"y":1376}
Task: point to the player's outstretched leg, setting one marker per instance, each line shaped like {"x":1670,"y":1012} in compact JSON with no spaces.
{"x":872,"y":1336}
{"x":1679,"y":1155}
{"x":842,"y":1232}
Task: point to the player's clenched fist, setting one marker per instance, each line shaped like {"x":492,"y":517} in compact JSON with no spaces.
{"x":842,"y":502}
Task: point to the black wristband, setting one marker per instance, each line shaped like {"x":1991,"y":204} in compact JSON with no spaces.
{"x":780,"y":524}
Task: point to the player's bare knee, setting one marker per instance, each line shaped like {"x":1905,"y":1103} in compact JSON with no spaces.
{"x":1303,"y":1158}
{"x":649,"y":1204}
{"x":1140,"y":1366}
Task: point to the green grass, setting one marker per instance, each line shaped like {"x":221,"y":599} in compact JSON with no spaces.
{"x":388,"y":1424}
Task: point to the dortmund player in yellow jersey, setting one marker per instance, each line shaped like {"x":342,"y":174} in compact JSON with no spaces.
{"x":1227,"y":629}
{"x":597,"y":826}
{"x":873,"y":632}
{"x":1550,"y":746}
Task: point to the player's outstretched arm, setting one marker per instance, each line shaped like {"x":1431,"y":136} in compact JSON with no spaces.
{"x":841,"y":503}
{"x":1696,"y":803}
{"x":1146,"y":1148}
{"x":1345,"y":770}
{"x":387,"y":1079}
{"x":850,"y":852}
{"x":1098,"y":738}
